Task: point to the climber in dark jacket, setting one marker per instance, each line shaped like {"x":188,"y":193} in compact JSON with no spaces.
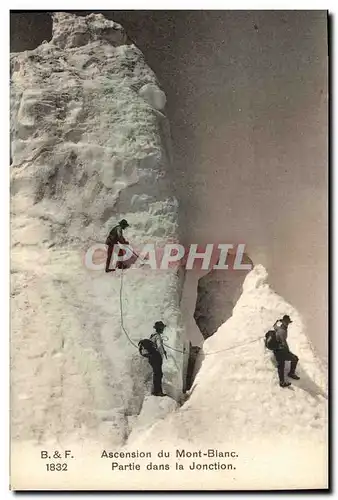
{"x":114,"y":238}
{"x":155,"y":337}
{"x":282,"y":352}
{"x":148,"y":349}
{"x":153,"y":349}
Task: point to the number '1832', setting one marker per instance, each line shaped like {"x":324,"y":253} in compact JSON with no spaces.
{"x":56,"y":467}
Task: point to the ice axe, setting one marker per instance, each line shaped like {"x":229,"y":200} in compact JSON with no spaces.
{"x":137,"y":256}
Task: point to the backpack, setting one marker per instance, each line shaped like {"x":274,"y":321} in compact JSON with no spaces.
{"x":146,"y":347}
{"x":271,"y":341}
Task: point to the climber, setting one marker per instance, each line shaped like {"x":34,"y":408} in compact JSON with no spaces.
{"x":116,"y":236}
{"x":148,"y":349}
{"x":153,"y":350}
{"x":157,"y":339}
{"x":281,"y":350}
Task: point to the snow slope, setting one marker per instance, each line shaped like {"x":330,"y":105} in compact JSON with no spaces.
{"x":236,"y":403}
{"x":90,"y":144}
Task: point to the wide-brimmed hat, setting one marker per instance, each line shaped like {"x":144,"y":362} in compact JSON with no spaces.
{"x":287,"y":318}
{"x":159,"y":325}
{"x":124,"y":223}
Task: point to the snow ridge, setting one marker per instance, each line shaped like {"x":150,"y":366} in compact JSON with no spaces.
{"x":241,"y":376}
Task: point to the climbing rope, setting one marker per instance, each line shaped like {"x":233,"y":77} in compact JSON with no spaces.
{"x":121,"y":312}
{"x":177,"y":350}
{"x":221,"y":350}
{"x":166,"y":338}
{"x":173,"y":349}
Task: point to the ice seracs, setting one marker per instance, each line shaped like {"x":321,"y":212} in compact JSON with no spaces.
{"x":89,"y":148}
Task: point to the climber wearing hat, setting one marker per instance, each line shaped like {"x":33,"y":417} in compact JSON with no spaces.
{"x":116,"y":236}
{"x":283,"y":353}
{"x":156,"y":338}
{"x":153,"y":350}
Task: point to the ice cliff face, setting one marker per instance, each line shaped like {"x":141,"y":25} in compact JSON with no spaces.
{"x":90,"y":145}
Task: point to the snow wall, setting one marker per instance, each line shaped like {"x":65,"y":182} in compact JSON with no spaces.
{"x":90,"y":145}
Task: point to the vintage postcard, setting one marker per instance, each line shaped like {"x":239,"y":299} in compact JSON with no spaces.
{"x":169,"y":250}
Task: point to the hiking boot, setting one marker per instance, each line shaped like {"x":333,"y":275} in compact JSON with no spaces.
{"x":110,"y":270}
{"x":284,"y":384}
{"x":294,"y":376}
{"x":158,"y":394}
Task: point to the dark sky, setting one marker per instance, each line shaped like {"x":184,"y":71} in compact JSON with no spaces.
{"x":247,"y":103}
